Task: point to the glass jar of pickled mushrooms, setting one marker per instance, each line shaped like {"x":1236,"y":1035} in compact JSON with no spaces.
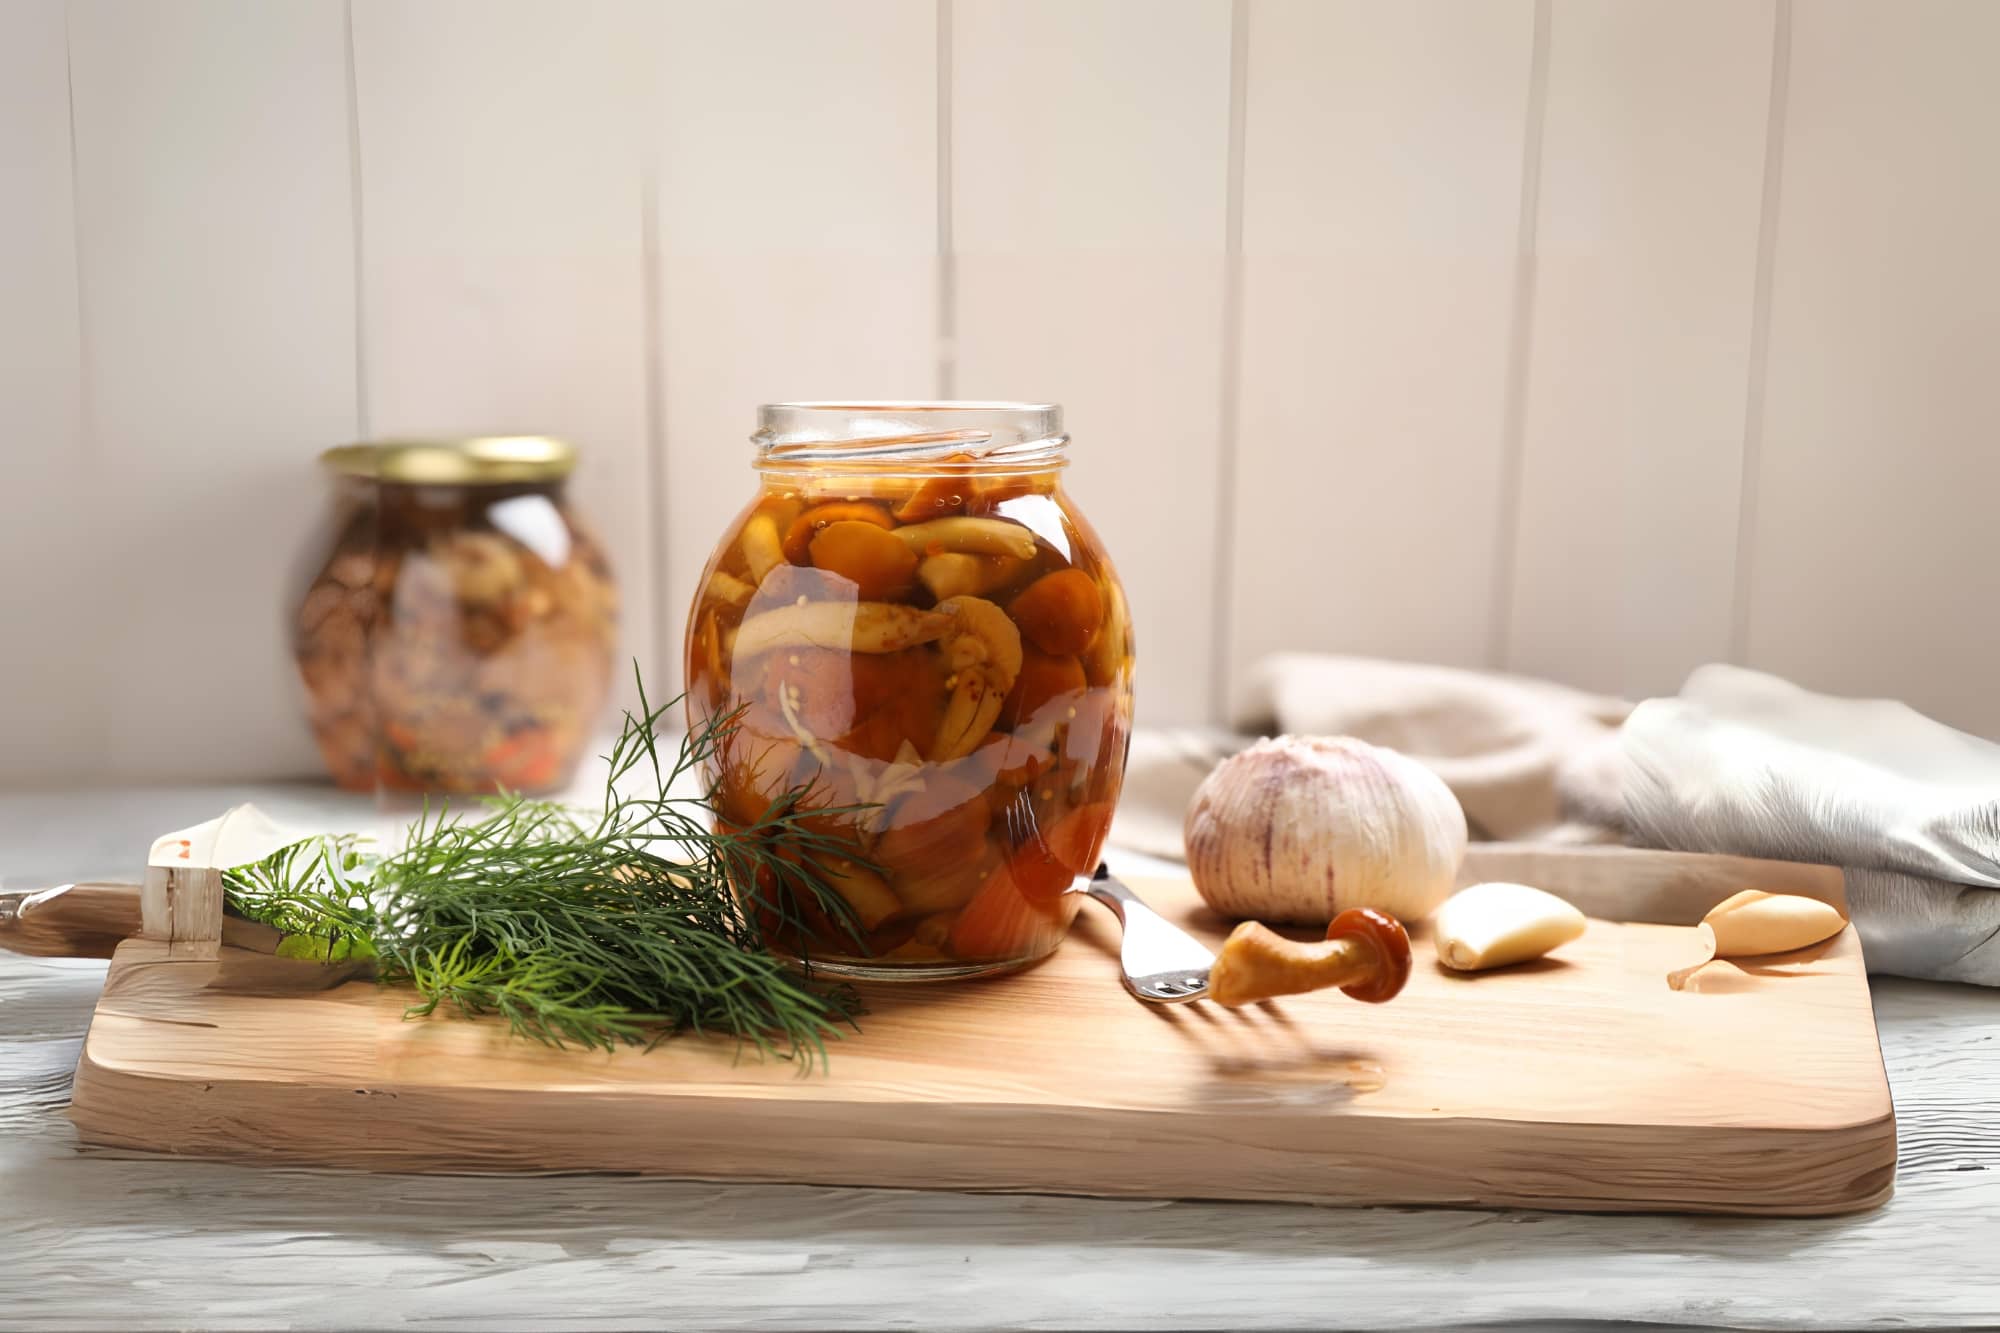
{"x":922,"y":642}
{"x":459,"y":636}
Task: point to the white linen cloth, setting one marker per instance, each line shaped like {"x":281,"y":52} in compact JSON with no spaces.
{"x":1747,"y":763}
{"x":1739,"y":762}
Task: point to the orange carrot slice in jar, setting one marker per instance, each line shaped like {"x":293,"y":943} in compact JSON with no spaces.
{"x":1001,"y":924}
{"x":1044,"y":677}
{"x":1044,"y":865}
{"x":1022,"y":909}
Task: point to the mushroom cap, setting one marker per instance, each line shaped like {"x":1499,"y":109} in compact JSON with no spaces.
{"x":1385,"y":934}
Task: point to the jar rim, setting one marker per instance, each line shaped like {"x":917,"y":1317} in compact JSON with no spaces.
{"x":920,"y":436}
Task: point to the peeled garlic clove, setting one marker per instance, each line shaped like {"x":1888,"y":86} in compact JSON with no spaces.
{"x":1754,"y":922}
{"x":1492,"y":925}
{"x":1300,"y":829}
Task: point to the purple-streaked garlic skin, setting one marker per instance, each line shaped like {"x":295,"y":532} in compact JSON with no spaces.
{"x":1300,"y":828}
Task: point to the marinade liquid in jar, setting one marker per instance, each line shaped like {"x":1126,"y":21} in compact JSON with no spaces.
{"x":912,"y":622}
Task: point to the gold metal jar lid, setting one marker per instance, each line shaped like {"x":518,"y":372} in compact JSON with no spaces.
{"x":478,"y":461}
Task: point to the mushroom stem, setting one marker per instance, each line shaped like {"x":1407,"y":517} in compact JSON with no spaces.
{"x":1366,"y":953}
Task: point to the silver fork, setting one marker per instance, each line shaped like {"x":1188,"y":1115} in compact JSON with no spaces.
{"x":1162,"y":963}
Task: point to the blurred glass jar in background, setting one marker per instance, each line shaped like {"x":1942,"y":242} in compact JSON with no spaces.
{"x":459,"y":635}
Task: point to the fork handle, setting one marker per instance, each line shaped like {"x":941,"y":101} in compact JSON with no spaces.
{"x":1114,"y":895}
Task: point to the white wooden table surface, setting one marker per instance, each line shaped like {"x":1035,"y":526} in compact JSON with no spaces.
{"x":90,"y":1240}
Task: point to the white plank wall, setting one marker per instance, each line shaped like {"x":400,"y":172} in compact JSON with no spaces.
{"x":1584,"y":339}
{"x":503,"y":286}
{"x":1639,"y":356}
{"x":798,"y":238}
{"x":1874,"y":565}
{"x":1090,"y":155}
{"x":215,"y":250}
{"x":43,"y":566}
{"x":1382,"y":184}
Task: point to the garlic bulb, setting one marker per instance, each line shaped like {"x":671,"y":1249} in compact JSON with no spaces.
{"x":1301,"y":828}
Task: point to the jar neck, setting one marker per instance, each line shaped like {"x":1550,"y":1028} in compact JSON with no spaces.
{"x":910,"y":439}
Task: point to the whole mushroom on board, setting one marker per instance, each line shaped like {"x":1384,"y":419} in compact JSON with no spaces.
{"x":1366,"y":953}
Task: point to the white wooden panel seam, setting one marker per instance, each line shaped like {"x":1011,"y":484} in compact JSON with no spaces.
{"x":1090,"y":201}
{"x":1760,"y":329}
{"x":1631,"y":412}
{"x":1229,"y":401}
{"x":1520,"y":348}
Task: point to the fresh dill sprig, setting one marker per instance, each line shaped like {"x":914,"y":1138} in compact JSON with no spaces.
{"x":313,"y":891}
{"x":623,"y":925}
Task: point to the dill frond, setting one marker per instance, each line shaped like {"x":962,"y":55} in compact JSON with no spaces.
{"x":621,"y":926}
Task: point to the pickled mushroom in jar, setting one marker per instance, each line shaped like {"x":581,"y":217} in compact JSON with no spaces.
{"x":942,"y":666}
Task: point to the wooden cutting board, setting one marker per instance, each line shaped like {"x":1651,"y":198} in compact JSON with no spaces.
{"x":1579,"y":1082}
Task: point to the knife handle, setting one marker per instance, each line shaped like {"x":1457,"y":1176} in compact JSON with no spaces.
{"x":70,"y":920}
